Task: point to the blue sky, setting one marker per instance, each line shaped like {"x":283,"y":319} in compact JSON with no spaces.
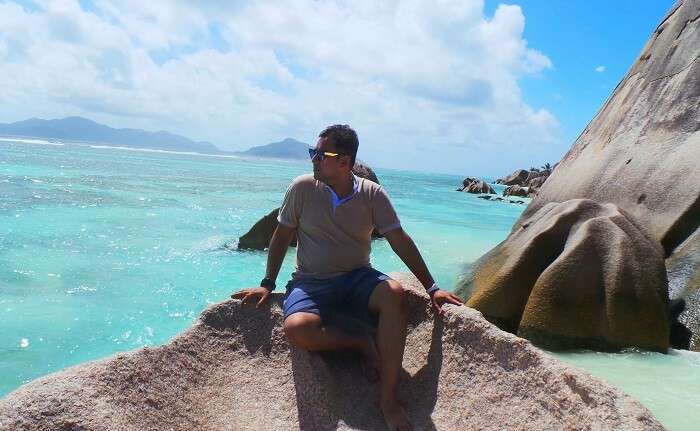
{"x":466,"y":87}
{"x":579,"y":36}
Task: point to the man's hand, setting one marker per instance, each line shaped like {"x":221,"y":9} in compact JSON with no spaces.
{"x":252,"y":294}
{"x":440,"y":297}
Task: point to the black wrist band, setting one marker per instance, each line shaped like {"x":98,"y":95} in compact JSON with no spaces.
{"x":268,"y":284}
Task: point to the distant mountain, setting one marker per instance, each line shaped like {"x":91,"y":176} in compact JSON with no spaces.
{"x":286,"y":149}
{"x":84,"y":130}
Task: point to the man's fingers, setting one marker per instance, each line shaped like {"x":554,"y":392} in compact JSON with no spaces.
{"x":239,"y":294}
{"x":263,"y":298}
{"x":455,"y":300}
{"x":436,"y":308}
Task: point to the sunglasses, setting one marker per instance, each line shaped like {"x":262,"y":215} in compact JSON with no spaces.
{"x":321,"y":155}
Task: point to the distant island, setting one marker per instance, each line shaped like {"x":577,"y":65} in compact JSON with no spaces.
{"x":79,"y":129}
{"x":286,"y":149}
{"x":83,"y":130}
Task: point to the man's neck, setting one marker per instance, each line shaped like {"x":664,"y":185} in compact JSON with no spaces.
{"x":343,"y":187}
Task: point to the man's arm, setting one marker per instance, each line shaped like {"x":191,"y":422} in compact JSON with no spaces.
{"x":277,"y":250}
{"x":279,"y":243}
{"x":406,"y":249}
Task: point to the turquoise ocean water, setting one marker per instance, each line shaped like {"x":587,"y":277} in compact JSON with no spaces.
{"x":105,"y":250}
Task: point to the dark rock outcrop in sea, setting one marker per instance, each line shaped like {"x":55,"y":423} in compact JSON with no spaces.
{"x":475,"y":185}
{"x":363,"y":171}
{"x":235,"y":370}
{"x":518,"y":177}
{"x":500,"y":199}
{"x":532,"y":180}
{"x":641,"y":154}
{"x":516,"y":190}
{"x":258,"y":237}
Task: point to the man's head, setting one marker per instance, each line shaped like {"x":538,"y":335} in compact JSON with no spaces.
{"x":341,"y":140}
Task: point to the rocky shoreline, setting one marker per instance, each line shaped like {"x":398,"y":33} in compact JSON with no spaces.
{"x":520,"y":183}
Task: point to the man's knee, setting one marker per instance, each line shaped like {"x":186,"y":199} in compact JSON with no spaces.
{"x":391,"y":294}
{"x":300,"y":327}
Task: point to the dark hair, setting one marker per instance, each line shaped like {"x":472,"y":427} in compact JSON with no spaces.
{"x":344,"y":139}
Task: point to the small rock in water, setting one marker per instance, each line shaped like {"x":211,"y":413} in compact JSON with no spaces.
{"x":23,"y":343}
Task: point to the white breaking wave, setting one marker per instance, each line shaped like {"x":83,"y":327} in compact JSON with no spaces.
{"x":152,"y":150}
{"x":32,"y":141}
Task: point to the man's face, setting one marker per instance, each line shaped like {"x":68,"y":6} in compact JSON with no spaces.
{"x":330,"y":168}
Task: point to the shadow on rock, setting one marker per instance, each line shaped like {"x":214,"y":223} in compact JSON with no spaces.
{"x":253,"y":326}
{"x":337,"y":397}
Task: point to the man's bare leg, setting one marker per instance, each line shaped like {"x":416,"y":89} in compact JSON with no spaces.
{"x":305,"y":330}
{"x":389,"y":302}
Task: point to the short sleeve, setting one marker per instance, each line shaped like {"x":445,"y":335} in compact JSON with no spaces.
{"x":290,"y":211}
{"x":383,"y":214}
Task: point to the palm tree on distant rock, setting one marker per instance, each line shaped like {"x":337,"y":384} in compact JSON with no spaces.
{"x":547,"y":167}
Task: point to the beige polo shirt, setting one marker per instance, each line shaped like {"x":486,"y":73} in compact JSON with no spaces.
{"x":334,"y":235}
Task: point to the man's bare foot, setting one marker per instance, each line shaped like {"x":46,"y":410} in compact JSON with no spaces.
{"x":395,"y":417}
{"x":371,"y":363}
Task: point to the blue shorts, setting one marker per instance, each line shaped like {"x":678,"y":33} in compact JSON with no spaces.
{"x":346,"y":294}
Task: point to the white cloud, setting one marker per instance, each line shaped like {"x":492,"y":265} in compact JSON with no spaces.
{"x":437,"y":79}
{"x":600,"y":69}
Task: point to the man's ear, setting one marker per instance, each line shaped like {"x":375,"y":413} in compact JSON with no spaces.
{"x":347,"y":161}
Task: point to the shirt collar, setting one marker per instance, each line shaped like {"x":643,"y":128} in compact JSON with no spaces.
{"x":336,"y":201}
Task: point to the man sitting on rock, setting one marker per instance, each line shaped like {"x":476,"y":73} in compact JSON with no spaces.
{"x":333,"y":213}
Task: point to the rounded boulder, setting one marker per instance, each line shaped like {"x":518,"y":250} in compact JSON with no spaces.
{"x":576,"y":274}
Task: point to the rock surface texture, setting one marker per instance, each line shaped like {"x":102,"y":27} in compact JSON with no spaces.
{"x":258,"y":237}
{"x":643,"y":147}
{"x":234,"y":370}
{"x":684,"y":283}
{"x":576,"y":275}
{"x":536,"y":182}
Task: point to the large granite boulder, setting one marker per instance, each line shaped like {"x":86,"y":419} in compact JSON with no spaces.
{"x":234,"y":370}
{"x":518,"y":177}
{"x":522,"y":177}
{"x":644,"y":146}
{"x":475,"y":185}
{"x":645,"y":141}
{"x":516,"y":190}
{"x":479,"y":186}
{"x":258,"y":237}
{"x":576,"y":274}
{"x":467,"y":182}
